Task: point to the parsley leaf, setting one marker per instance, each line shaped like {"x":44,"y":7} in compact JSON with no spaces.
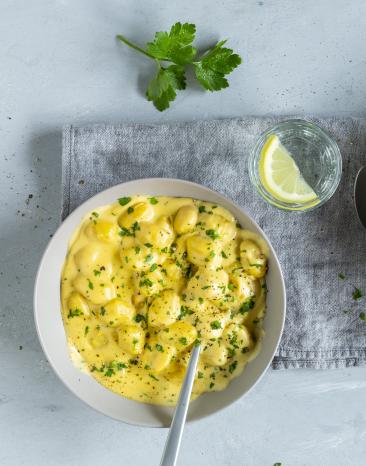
{"x":74,"y":313}
{"x":214,"y":65}
{"x":175,"y":45}
{"x":362,"y":316}
{"x":357,"y":294}
{"x":124,"y":200}
{"x":215,"y":324}
{"x":161,"y":90}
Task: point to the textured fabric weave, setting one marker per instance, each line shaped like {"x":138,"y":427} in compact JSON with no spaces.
{"x":313,"y":248}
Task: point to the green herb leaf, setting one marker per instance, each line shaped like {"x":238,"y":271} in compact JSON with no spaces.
{"x":216,"y":324}
{"x":124,"y":200}
{"x":357,"y":294}
{"x":159,"y":347}
{"x":214,"y":65}
{"x":161,"y":90}
{"x":183,"y":341}
{"x":74,"y":313}
{"x":153,"y":200}
{"x":362,"y":316}
{"x":199,"y":375}
{"x":174,"y":46}
{"x":232,"y":366}
{"x":130,"y":210}
{"x":341,"y":276}
{"x":247,"y":306}
{"x":140,"y":318}
{"x":212,"y":234}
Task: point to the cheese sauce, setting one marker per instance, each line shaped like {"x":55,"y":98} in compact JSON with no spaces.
{"x":148,"y":277}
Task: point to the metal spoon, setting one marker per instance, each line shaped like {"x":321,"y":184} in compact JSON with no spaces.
{"x":360,"y":195}
{"x":172,"y":444}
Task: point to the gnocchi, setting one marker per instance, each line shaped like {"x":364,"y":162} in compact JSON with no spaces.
{"x":146,"y":278}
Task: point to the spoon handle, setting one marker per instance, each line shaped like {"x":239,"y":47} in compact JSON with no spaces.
{"x":172,"y":444}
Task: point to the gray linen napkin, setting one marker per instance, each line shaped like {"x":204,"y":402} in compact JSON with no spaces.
{"x":313,"y":248}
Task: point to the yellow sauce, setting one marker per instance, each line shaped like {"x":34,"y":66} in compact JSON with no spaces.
{"x":145,"y":279}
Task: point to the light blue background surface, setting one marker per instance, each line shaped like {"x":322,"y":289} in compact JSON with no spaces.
{"x":60,"y":64}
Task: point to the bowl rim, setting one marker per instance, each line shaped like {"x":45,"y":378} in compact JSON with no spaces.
{"x":79,"y":213}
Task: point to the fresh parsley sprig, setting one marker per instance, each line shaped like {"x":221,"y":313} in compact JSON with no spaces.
{"x":176,"y":48}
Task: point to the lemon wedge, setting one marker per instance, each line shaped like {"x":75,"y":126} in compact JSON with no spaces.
{"x":281,"y":176}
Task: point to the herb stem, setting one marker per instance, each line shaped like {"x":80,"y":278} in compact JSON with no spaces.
{"x":139,"y":49}
{"x":135,"y":47}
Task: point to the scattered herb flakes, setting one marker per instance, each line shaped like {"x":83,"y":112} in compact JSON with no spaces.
{"x":216,"y":324}
{"x":146,"y":282}
{"x":199,"y":375}
{"x":153,"y":200}
{"x":86,"y":331}
{"x":223,"y":254}
{"x":247,"y":306}
{"x":183,"y":341}
{"x":153,"y":377}
{"x":362,"y":316}
{"x":212,"y":234}
{"x":102,"y":311}
{"x":184,"y":311}
{"x":341,"y":276}
{"x":149,"y":258}
{"x":90,"y":284}
{"x":201,"y":209}
{"x":95,"y":214}
{"x":153,"y":267}
{"x":232,"y":366}
{"x":159,"y":347}
{"x":140,"y":318}
{"x":97,"y":273}
{"x":74,"y":313}
{"x":148,"y":245}
{"x":357,"y":294}
{"x":130,"y":210}
{"x":212,"y":385}
{"x":124,"y":200}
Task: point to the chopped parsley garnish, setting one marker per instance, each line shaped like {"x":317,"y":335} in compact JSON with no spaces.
{"x":212,"y":234}
{"x":95,"y":214}
{"x":184,"y":311}
{"x":159,"y":347}
{"x":247,"y":306}
{"x":74,"y":313}
{"x":245,"y":350}
{"x":357,"y":294}
{"x":199,"y":375}
{"x":125,"y":232}
{"x":153,"y":200}
{"x":153,"y":267}
{"x":201,"y":209}
{"x":212,"y":385}
{"x":86,"y":330}
{"x":124,"y":200}
{"x":146,"y":282}
{"x":140,"y":318}
{"x":97,"y":273}
{"x":130,"y":210}
{"x":232,"y":366}
{"x":148,"y":245}
{"x":183,"y":341}
{"x":362,"y":316}
{"x":153,"y":377}
{"x":137,"y":250}
{"x":230,"y":286}
{"x":102,"y":311}
{"x":341,"y":276}
{"x":90,"y":284}
{"x":216,"y":324}
{"x":149,"y":258}
{"x":200,"y":300}
{"x":223,"y":255}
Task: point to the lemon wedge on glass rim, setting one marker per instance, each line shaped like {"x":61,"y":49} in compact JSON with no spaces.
{"x":281,"y":176}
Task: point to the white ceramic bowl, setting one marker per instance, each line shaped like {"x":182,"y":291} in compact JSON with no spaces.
{"x":52,"y":335}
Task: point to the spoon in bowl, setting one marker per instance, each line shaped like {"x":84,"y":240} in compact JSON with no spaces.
{"x":173,"y":441}
{"x":360,"y":195}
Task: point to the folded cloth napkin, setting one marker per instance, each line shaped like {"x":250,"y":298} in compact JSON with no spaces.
{"x":323,"y":328}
